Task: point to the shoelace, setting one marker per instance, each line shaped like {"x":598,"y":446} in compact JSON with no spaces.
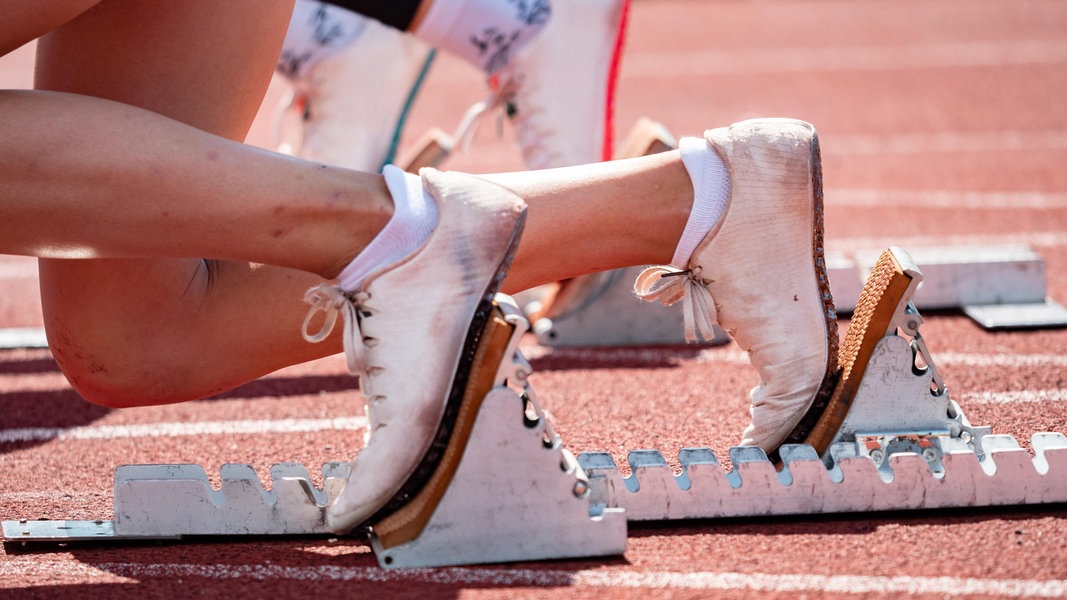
{"x":331,"y":301}
{"x":503,"y":87}
{"x":667,"y":285}
{"x":287,"y":134}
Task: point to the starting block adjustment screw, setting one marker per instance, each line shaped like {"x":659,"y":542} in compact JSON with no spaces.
{"x":581,"y":488}
{"x":877,"y":455}
{"x":930,"y":454}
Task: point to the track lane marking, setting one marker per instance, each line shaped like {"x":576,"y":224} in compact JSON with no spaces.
{"x":730,"y":355}
{"x":148,"y":430}
{"x":752,"y":61}
{"x":1004,"y":200}
{"x":933,"y":142}
{"x":1052,"y":239}
{"x":105,"y":432}
{"x":18,"y":269}
{"x":1014,"y":397}
{"x":607,"y":578}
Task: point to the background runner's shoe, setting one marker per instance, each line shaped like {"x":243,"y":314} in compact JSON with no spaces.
{"x":559,"y":94}
{"x":353,"y":83}
{"x":408,"y":334}
{"x":560,"y":90}
{"x":761,"y":273}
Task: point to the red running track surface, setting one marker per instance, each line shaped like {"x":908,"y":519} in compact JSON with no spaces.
{"x":941,"y":123}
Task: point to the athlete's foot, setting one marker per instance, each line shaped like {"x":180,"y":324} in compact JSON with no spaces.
{"x":409,"y":330}
{"x":760,"y":272}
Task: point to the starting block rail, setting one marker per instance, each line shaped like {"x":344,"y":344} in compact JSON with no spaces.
{"x":516,"y":494}
{"x":1006,"y":475}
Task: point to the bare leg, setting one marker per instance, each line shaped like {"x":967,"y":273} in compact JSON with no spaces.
{"x":593,"y":218}
{"x":138,"y":322}
{"x":151,"y":331}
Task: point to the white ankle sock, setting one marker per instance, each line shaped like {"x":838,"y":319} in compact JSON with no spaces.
{"x":485,"y":33}
{"x":414,"y":219}
{"x":711,"y":191}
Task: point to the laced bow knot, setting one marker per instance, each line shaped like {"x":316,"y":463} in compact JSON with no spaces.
{"x":331,"y":301}
{"x":667,"y":285}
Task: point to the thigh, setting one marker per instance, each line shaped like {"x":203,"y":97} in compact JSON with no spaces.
{"x":203,"y":62}
{"x":148,"y":331}
{"x":26,"y":20}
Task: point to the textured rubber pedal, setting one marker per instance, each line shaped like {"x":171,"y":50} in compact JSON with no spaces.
{"x":430,"y":150}
{"x":885,"y":289}
{"x":408,"y":522}
{"x":644,"y":138}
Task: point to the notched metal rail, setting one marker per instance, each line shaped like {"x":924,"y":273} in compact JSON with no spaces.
{"x":172,"y":501}
{"x":705,"y":490}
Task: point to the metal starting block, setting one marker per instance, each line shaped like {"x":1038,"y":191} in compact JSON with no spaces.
{"x":506,"y":489}
{"x":1000,"y":287}
{"x":602,"y":310}
{"x":890,"y":438}
{"x":895,"y":439}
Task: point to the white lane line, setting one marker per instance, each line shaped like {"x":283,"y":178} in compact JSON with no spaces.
{"x":996,"y":360}
{"x":18,"y":270}
{"x":730,"y":355}
{"x":1024,"y":396}
{"x":52,"y":496}
{"x":931,"y":142}
{"x":1008,"y":200}
{"x":1054,"y":239}
{"x":849,"y":58}
{"x":103,"y":432}
{"x":38,"y":569}
{"x":608,"y":578}
{"x":49,"y":381}
{"x":23,"y":337}
{"x":54,"y":382}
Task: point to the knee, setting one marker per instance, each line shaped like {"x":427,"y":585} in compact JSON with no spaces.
{"x":120,"y":348}
{"x":111,"y":382}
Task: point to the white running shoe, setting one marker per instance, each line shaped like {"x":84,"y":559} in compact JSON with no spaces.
{"x":761,"y":273}
{"x":562,"y":86}
{"x":409,"y":335}
{"x":559,"y":91}
{"x":559,"y":94}
{"x":354,"y":80}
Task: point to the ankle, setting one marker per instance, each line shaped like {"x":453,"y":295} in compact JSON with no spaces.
{"x":350,"y":215}
{"x":710,"y":183}
{"x":414,"y":219}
